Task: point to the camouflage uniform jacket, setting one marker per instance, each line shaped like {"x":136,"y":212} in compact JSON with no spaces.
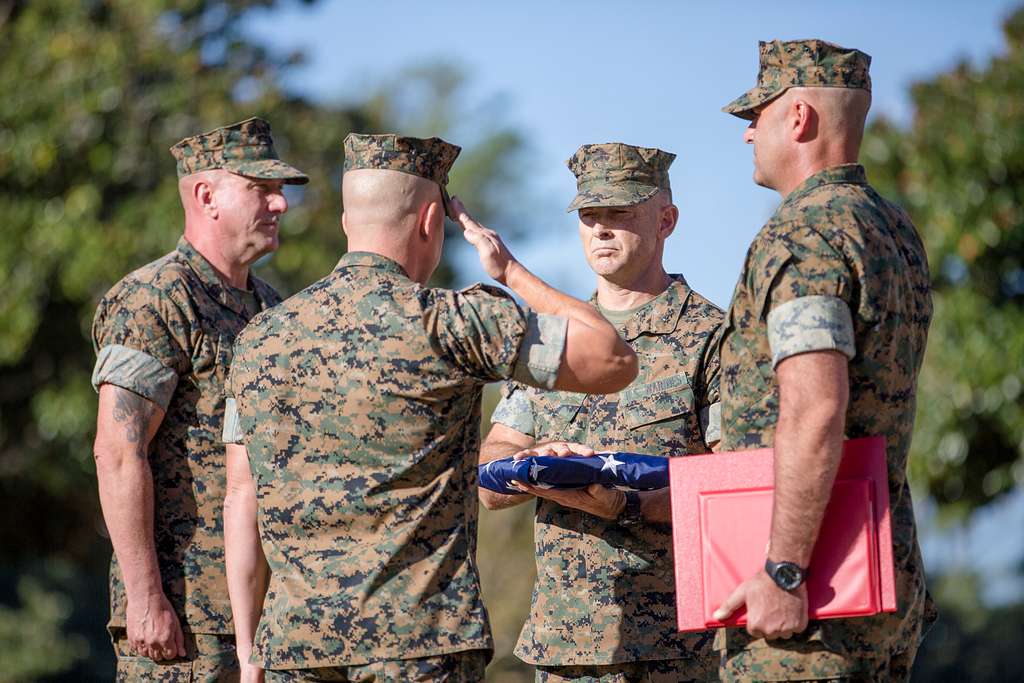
{"x":605,"y":593}
{"x":165,"y":332}
{"x":358,"y":400}
{"x":837,"y":259}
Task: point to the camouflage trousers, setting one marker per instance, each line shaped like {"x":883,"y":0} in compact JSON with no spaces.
{"x":811,"y":661}
{"x":457,"y":667}
{"x":697,"y":669}
{"x":208,"y":659}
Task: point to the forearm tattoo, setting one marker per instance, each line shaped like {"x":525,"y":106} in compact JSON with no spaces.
{"x":134,"y":413}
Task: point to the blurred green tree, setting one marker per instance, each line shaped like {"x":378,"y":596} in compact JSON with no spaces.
{"x":959,"y":170}
{"x":95,"y":91}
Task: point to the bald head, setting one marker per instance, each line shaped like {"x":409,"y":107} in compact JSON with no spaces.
{"x":841,"y":111}
{"x":804,"y":131}
{"x":394,"y":214}
{"x":385,"y":201}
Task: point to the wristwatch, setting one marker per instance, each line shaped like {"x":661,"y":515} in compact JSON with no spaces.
{"x":631,"y":515}
{"x":786,"y":575}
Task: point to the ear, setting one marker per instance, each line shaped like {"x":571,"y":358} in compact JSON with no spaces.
{"x":205,"y":199}
{"x":430,"y":220}
{"x":803,"y":121}
{"x":344,"y":223}
{"x":667,"y":218}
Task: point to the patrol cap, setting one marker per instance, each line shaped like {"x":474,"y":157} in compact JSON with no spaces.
{"x":430,"y":158}
{"x":616,"y":174}
{"x":245,"y":148}
{"x":801,"y":63}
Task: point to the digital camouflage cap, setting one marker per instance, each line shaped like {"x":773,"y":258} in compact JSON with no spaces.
{"x":616,"y":174}
{"x":430,"y":158}
{"x":245,"y":148}
{"x":801,"y":63}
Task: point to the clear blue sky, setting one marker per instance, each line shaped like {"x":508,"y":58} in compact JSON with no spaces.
{"x":654,"y":74}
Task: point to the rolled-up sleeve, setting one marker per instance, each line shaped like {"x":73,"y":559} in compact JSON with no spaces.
{"x":135,"y":371}
{"x":810,"y":323}
{"x":540,"y":354}
{"x":515,"y":410}
{"x":232,"y":431}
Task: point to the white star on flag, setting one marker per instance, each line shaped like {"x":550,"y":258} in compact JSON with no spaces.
{"x":610,"y":463}
{"x":535,"y":469}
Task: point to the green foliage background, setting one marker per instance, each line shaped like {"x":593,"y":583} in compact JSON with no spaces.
{"x":95,"y":91}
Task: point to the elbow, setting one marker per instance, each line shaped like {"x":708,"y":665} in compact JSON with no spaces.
{"x":620,"y":369}
{"x":106,"y":456}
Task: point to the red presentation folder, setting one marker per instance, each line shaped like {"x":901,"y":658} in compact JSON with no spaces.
{"x":721,"y":522}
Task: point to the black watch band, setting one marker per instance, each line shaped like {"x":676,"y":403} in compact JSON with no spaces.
{"x":631,"y":514}
{"x":787,"y":575}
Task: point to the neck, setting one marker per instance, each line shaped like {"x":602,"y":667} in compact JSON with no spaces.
{"x":815,"y":163}
{"x":228,"y":268}
{"x":623,"y":296}
{"x":397,"y":251}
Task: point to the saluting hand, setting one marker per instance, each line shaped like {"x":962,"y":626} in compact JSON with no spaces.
{"x":494,"y":255}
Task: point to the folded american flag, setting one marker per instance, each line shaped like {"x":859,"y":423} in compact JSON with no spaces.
{"x":625,"y":471}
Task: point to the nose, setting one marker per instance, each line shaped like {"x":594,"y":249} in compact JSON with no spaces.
{"x":600,"y":231}
{"x":278,"y":203}
{"x":748,"y":134}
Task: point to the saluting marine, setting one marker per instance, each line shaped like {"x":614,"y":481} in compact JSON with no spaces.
{"x":358,"y":410}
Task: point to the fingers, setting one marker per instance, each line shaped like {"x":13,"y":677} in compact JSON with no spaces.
{"x":737,"y":599}
{"x":556,"y":448}
{"x":179,"y":640}
{"x":579,"y":449}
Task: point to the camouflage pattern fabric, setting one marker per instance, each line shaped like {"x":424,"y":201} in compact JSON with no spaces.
{"x":804,"y":63}
{"x":429,"y":158}
{"x":835,"y":237}
{"x":605,"y":593}
{"x":692,"y":670}
{"x":460,"y":667}
{"x":245,"y":148}
{"x":359,"y":403}
{"x":208,"y":659}
{"x":616,"y":174}
{"x":165,"y":332}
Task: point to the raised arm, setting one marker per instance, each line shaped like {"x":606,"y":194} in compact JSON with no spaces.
{"x":596,"y":359}
{"x":125,"y":426}
{"x":246,"y":566}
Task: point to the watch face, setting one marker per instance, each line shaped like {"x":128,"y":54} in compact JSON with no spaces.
{"x":788,"y":575}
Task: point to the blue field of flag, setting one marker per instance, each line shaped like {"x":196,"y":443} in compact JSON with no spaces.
{"x":625,"y":471}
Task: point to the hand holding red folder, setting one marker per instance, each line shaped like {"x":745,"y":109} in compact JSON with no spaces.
{"x":771,"y":611}
{"x":721,"y":523}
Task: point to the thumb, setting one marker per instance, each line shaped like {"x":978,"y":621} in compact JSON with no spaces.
{"x":732,"y":603}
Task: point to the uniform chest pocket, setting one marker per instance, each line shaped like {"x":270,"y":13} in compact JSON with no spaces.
{"x":658,"y":401}
{"x":555,"y":417}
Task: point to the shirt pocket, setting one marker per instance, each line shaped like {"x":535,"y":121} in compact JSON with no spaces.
{"x":557,"y":417}
{"x":663,"y":403}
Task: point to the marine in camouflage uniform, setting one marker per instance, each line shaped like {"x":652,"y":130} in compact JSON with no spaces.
{"x":603,"y":606}
{"x":358,"y":403}
{"x":163,"y":337}
{"x":836,"y":268}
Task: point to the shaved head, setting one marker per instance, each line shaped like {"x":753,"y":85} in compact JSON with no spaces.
{"x":841,"y":111}
{"x":804,"y":131}
{"x":385,"y":200}
{"x":395,"y":214}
